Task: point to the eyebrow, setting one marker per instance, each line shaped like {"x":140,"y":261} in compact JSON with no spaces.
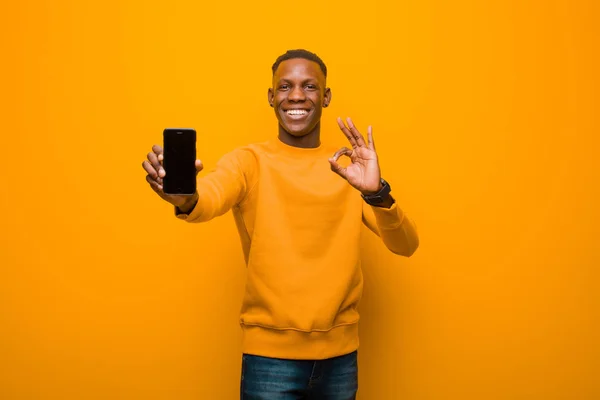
{"x":311,"y":80}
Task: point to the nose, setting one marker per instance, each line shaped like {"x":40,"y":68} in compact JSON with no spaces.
{"x":296,"y":94}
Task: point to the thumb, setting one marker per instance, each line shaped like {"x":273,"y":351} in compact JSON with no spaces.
{"x":337,"y":168}
{"x":199,"y":166}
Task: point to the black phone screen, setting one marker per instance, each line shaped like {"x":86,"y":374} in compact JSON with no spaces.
{"x":179,"y":161}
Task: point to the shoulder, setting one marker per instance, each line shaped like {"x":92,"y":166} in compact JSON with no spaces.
{"x":244,"y":159}
{"x":243,"y":154}
{"x":252,"y":153}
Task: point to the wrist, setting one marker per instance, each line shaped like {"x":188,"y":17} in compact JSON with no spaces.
{"x":189,"y":204}
{"x":382,"y":196}
{"x":372,"y":192}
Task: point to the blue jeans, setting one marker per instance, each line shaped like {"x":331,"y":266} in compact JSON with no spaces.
{"x":266,"y":378}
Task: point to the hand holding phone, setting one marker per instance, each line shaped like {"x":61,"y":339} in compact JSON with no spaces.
{"x":172,"y":172}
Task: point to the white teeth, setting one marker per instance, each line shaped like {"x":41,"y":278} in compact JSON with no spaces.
{"x":297,"y":112}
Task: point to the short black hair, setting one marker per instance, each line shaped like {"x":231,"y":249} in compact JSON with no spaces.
{"x":300,"y":53}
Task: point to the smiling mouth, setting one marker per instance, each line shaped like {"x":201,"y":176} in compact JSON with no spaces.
{"x":296,"y":112}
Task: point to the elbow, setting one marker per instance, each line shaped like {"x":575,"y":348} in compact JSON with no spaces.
{"x":412,"y":249}
{"x":407,"y":252}
{"x":407,"y":249}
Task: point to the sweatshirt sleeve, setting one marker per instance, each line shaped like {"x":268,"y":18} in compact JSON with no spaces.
{"x":393,"y":226}
{"x":223,"y":187}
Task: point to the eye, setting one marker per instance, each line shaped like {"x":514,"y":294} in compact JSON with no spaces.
{"x":284,"y":86}
{"x":310,"y":86}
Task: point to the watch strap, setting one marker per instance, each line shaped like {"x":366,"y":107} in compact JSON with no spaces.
{"x":379,"y":197}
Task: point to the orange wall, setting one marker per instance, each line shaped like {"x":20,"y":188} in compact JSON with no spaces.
{"x":486,"y":120}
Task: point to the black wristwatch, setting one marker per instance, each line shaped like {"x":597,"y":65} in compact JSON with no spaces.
{"x":379,"y":197}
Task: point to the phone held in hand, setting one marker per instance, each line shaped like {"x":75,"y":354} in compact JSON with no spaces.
{"x":179,"y":152}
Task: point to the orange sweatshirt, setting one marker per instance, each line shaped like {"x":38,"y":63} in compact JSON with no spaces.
{"x":299,"y":225}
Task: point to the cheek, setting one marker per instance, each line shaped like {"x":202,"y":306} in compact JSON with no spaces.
{"x":317,"y":101}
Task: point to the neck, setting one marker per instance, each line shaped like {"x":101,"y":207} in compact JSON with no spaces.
{"x":309,"y":141}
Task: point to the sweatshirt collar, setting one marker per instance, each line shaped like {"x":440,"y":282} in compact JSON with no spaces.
{"x":279,"y":146}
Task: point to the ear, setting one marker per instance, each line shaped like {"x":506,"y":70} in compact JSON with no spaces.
{"x":327,"y":97}
{"x":270,"y":96}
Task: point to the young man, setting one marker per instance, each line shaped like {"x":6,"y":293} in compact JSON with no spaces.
{"x":300,"y":225}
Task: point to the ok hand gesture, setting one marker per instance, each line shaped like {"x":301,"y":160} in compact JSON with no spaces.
{"x":363,"y":173}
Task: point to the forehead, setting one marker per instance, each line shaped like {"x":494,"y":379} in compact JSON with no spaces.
{"x":299,"y":68}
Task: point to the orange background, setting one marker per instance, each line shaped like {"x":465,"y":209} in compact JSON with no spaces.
{"x":486,"y":120}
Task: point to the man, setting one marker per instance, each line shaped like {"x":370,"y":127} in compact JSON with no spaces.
{"x":300,"y":226}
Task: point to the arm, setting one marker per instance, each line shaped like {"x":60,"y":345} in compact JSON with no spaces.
{"x":386,"y":219}
{"x":221,"y":189}
{"x":216,"y":193}
{"x":393,"y":226}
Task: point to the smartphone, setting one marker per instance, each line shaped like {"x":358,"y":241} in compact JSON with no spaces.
{"x":179,"y":162}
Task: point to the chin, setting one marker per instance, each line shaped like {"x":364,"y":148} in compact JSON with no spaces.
{"x":298,"y":131}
